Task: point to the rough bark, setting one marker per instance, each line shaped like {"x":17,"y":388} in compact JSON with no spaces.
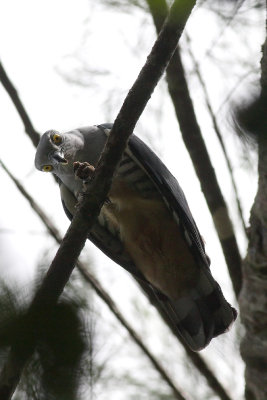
{"x":253,"y":297}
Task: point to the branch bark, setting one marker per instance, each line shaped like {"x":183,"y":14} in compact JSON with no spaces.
{"x":95,"y":284}
{"x":196,"y":147}
{"x":217,"y":130}
{"x":6,"y":82}
{"x":74,"y":240}
{"x":253,"y":297}
{"x":196,"y":359}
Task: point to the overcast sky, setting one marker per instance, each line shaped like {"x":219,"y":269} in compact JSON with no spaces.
{"x":40,"y":41}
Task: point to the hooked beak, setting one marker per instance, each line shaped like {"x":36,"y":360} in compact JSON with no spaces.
{"x":59,"y":157}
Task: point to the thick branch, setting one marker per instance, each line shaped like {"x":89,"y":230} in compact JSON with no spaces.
{"x":89,"y":278}
{"x":74,"y":240}
{"x":11,"y":90}
{"x":253,"y":297}
{"x":197,"y":360}
{"x":196,"y":147}
{"x":99,"y":186}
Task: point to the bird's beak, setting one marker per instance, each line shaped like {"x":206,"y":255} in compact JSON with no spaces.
{"x":59,"y":157}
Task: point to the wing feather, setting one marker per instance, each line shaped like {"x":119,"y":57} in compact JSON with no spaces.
{"x":203,"y":313}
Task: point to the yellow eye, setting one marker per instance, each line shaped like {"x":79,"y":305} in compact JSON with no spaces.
{"x":57,"y":139}
{"x":47,"y":168}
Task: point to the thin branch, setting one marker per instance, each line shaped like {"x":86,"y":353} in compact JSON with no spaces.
{"x":89,"y":278}
{"x":233,"y":90}
{"x":196,"y":358}
{"x":196,"y":147}
{"x":217,"y":131}
{"x":228,"y":22}
{"x":11,"y":90}
{"x":74,"y":240}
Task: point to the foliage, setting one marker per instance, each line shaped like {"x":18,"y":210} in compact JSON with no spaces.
{"x":57,"y":367}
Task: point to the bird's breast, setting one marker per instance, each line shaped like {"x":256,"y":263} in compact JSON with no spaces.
{"x":153,"y":239}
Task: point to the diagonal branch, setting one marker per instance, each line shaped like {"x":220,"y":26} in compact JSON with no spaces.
{"x":228,"y":22}
{"x":74,"y":240}
{"x":92,"y":280}
{"x":196,"y":359}
{"x":11,"y":90}
{"x":196,"y":147}
{"x":218,"y":133}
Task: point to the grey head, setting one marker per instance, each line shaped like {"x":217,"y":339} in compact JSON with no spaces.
{"x":49,"y":154}
{"x":56,"y":151}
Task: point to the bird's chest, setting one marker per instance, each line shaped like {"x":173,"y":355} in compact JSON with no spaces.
{"x":74,"y":184}
{"x":138,"y":218}
{"x":152,"y":237}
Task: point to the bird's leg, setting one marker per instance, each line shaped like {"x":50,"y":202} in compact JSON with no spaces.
{"x":83,"y":170}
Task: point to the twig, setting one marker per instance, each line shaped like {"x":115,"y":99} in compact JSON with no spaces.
{"x":233,"y":90}
{"x":196,"y":147}
{"x":34,"y":136}
{"x":89,"y":278}
{"x":223,"y":29}
{"x":74,"y":240}
{"x":217,"y":131}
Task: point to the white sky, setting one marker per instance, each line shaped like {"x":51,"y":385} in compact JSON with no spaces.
{"x":39,"y":38}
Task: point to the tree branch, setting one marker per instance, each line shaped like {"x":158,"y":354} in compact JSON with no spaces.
{"x":11,"y":90}
{"x":74,"y":240}
{"x":93,"y":281}
{"x":218,"y":133}
{"x":196,"y":147}
{"x":197,"y":360}
{"x":253,"y":297}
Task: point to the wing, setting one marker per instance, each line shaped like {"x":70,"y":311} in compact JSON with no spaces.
{"x":202,"y":313}
{"x":170,"y":191}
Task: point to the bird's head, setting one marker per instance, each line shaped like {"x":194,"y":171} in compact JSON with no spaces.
{"x":50,"y":152}
{"x":56,"y":151}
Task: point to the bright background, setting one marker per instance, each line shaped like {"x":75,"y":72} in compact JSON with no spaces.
{"x":72,"y":64}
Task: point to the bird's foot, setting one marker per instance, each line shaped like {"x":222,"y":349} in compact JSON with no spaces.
{"x":83,"y":170}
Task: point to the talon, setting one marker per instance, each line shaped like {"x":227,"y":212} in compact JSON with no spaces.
{"x":76,"y":165}
{"x":83,"y":170}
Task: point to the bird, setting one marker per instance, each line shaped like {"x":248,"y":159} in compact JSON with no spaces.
{"x":145,"y":225}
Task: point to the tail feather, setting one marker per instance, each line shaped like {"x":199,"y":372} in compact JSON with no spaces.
{"x":202,"y":314}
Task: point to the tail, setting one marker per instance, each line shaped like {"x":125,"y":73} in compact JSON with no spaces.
{"x":200,"y":315}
